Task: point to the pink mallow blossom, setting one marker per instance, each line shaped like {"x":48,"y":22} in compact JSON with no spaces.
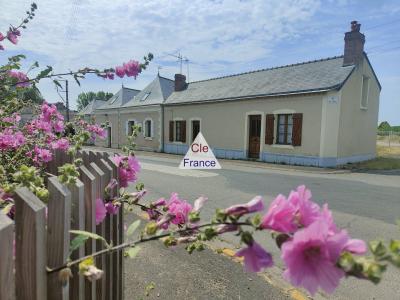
{"x":22,"y":79}
{"x":311,"y":256}
{"x":42,"y":155}
{"x":288,"y":215}
{"x":101,"y":211}
{"x":128,"y":167}
{"x":254,"y":205}
{"x":62,"y":144}
{"x":179,"y":208}
{"x":12,"y":37}
{"x":11,"y":140}
{"x":120,"y":71}
{"x":255,"y":257}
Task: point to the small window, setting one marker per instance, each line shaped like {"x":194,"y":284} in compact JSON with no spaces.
{"x":130,"y":129}
{"x":180,"y":131}
{"x":145,"y":96}
{"x":113,"y":99}
{"x":148,"y":128}
{"x":284,"y":129}
{"x":364,"y":92}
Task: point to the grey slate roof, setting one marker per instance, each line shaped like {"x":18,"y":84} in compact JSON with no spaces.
{"x":119,"y":99}
{"x":90,"y":108}
{"x":313,"y":76}
{"x":154,"y":93}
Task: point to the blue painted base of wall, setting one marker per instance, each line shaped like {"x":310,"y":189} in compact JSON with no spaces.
{"x":301,"y":160}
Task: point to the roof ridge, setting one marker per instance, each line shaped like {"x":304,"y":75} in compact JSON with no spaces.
{"x":130,"y":89}
{"x":268,"y":69}
{"x":165,"y":78}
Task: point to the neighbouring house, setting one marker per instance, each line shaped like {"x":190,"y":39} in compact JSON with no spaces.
{"x":143,"y":108}
{"x":318,"y":113}
{"x":109,"y":113}
{"x":88,"y":111}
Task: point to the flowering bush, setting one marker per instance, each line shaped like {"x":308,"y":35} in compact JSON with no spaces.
{"x":316,"y":253}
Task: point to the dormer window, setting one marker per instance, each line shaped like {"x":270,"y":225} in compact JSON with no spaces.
{"x":145,"y":96}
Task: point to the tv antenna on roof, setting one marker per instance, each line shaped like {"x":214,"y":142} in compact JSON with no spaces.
{"x":180,"y":59}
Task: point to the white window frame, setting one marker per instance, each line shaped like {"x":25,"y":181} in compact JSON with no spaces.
{"x":127,"y":125}
{"x":151,"y":129}
{"x":367,"y":96}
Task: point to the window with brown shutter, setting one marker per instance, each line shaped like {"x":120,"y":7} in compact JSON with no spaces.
{"x":297,"y":129}
{"x":171,"y":131}
{"x":269,"y":129}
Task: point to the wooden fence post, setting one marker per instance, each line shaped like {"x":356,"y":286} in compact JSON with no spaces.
{"x":100,"y":229}
{"x":118,"y":238}
{"x":31,"y":251}
{"x":77,"y":282}
{"x":7,"y":291}
{"x":90,"y":183}
{"x":58,"y":226}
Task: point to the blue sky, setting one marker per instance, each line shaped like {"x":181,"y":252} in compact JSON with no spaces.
{"x":218,"y":37}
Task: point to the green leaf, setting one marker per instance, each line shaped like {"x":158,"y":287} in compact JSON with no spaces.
{"x":90,"y":235}
{"x":131,"y":229}
{"x":132,"y":252}
{"x":77,"y":242}
{"x":57,"y":84}
{"x":45,"y":72}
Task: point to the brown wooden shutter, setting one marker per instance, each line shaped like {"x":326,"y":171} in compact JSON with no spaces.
{"x":297,"y":128}
{"x":269,"y":129}
{"x":171,"y":131}
{"x":183,"y":124}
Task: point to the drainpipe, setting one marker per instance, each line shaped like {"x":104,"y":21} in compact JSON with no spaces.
{"x":162,"y":127}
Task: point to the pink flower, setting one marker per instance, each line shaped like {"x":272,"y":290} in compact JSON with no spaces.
{"x":110,"y":75}
{"x":1,"y":47}
{"x":311,"y":257}
{"x":12,"y":37}
{"x":58,"y":126}
{"x":280,"y":216}
{"x":1,"y":37}
{"x":128,"y":167}
{"x":355,"y":246}
{"x":254,"y":205}
{"x":179,"y":208}
{"x":198,"y":203}
{"x":11,"y":140}
{"x":132,"y":68}
{"x":22,"y":79}
{"x":159,"y":202}
{"x":101,"y":211}
{"x":42,"y":155}
{"x":306,"y":210}
{"x":96,"y":129}
{"x":255,"y":258}
{"x":62,"y":144}
{"x":111,"y":208}
{"x":120,"y":71}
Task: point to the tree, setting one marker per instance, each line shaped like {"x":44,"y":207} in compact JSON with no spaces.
{"x":384,"y":126}
{"x":31,"y":94}
{"x":85,"y":98}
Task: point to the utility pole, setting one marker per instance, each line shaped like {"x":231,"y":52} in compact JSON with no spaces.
{"x":66,"y":100}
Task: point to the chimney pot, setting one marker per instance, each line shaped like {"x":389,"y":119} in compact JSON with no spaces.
{"x":353,"y":45}
{"x":180,"y":82}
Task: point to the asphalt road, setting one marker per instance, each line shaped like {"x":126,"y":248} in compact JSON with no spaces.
{"x":366,"y":204}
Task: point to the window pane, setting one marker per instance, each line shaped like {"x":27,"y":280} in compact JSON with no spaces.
{"x":281,"y":138}
{"x":290,"y":119}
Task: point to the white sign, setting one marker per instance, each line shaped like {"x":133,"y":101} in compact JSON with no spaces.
{"x":199,"y":156}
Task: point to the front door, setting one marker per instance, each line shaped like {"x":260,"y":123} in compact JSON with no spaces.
{"x":254,"y":136}
{"x":109,"y":137}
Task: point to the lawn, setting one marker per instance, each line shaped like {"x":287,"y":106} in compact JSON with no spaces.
{"x":387,"y":159}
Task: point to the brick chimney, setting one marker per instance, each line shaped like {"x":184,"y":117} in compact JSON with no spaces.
{"x":180,"y":82}
{"x":353,"y":45}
